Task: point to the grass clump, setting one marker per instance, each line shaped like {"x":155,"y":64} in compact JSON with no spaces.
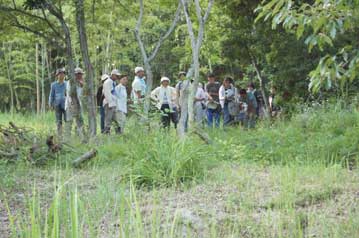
{"x":156,"y":158}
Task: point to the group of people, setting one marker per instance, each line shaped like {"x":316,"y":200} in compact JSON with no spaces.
{"x":238,"y":106}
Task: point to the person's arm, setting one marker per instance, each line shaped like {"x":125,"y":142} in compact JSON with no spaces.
{"x":221,"y":93}
{"x":154,"y":94}
{"x":137,"y":89}
{"x":52,"y":96}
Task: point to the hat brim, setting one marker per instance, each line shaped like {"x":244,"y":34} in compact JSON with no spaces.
{"x":62,"y":72}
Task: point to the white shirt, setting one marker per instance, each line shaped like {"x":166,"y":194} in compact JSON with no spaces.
{"x":231,"y":93}
{"x":68,"y":99}
{"x":109,"y":93}
{"x":200,"y":94}
{"x":164,"y":95}
{"x":138,"y":84}
{"x":121,"y":98}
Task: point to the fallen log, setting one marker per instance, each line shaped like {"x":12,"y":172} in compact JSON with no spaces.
{"x":203,"y":135}
{"x":19,"y":131}
{"x":87,"y":156}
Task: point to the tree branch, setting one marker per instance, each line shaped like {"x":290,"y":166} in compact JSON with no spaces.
{"x":50,"y":24}
{"x":27,"y":14}
{"x":17,"y":24}
{"x":206,"y":15}
{"x":137,"y":33}
{"x":198,"y":12}
{"x":189,"y":23}
{"x":168,"y":33}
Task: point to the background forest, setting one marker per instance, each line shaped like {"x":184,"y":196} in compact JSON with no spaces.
{"x":235,"y":43}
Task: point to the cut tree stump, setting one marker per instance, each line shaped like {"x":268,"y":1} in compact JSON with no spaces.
{"x":87,"y":156}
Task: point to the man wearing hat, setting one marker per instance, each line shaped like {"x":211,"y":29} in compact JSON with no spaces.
{"x":109,"y":101}
{"x":165,"y":98}
{"x":73,"y":105}
{"x":100,"y":97}
{"x":57,"y":98}
{"x":121,"y":107}
{"x":139,"y":86}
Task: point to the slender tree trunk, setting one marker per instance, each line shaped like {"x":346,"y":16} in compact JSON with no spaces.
{"x":48,"y":64}
{"x":106,"y":68}
{"x":149,"y":81}
{"x":262,"y":88}
{"x":196,"y":43}
{"x":9,"y":73}
{"x":80,"y":19}
{"x":38,"y":100}
{"x":43,"y":68}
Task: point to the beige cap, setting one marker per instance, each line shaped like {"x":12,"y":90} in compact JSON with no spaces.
{"x":115,"y":72}
{"x":78,"y":70}
{"x":165,"y":79}
{"x":60,"y":70}
{"x":139,"y":69}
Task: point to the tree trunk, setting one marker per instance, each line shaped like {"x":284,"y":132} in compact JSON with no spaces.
{"x":80,"y":20}
{"x":149,"y":82}
{"x":262,"y":88}
{"x":38,"y":100}
{"x":43,"y":67}
{"x":196,"y":43}
{"x":9,"y":73}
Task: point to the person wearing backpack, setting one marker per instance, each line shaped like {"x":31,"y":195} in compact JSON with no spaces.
{"x":213,"y":105}
{"x":227,"y":94}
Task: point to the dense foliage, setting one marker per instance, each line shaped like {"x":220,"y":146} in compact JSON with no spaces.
{"x":306,"y":43}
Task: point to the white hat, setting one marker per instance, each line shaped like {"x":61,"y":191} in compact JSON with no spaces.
{"x":60,"y":70}
{"x":138,"y":69}
{"x":115,"y":72}
{"x":104,"y":77}
{"x":165,"y":79}
{"x":78,"y":71}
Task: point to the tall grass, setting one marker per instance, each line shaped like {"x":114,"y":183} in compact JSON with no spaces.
{"x":324,"y":135}
{"x":158,"y":158}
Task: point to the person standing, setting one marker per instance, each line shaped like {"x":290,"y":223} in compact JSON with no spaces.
{"x":73,"y":105}
{"x":213,"y":105}
{"x":109,"y":101}
{"x":227,"y":94}
{"x":165,"y":98}
{"x":199,"y":105}
{"x":248,"y":105}
{"x":179,"y":86}
{"x":100,"y":97}
{"x":57,"y":99}
{"x":257,"y":94}
{"x":139,"y":86}
{"x":121,"y":103}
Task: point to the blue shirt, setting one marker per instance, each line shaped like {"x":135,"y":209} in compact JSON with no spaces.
{"x":57,"y":95}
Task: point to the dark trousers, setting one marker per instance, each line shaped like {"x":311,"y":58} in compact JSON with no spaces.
{"x":168,"y":115}
{"x":102,"y":119}
{"x":213,"y":114}
{"x":60,"y":117}
{"x":227,"y":118}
